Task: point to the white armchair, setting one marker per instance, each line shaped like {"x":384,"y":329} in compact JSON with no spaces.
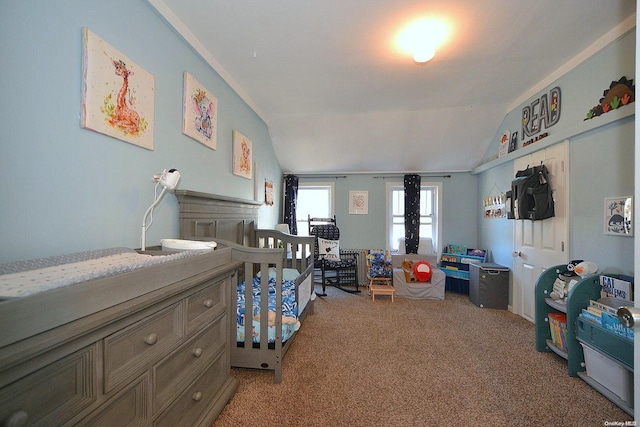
{"x":433,"y":289}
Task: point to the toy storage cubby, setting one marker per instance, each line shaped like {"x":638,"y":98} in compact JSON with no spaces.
{"x":455,"y":262}
{"x":610,"y":368}
{"x":610,"y":352}
{"x":578,"y":298}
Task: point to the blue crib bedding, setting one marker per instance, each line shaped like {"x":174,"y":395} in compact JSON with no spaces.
{"x":290,"y":322}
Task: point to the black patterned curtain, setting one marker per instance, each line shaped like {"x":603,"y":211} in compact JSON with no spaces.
{"x":411,"y":213}
{"x":290,"y":202}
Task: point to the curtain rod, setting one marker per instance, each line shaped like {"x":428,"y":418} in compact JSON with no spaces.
{"x":321,"y":176}
{"x":422,"y":176}
{"x":376,"y":176}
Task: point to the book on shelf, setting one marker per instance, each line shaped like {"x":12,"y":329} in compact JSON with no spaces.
{"x":611,"y":323}
{"x":603,"y":307}
{"x":615,"y":288}
{"x":592,"y":317}
{"x":595,"y":310}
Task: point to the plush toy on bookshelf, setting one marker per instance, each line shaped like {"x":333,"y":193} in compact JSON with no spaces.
{"x":575,"y":271}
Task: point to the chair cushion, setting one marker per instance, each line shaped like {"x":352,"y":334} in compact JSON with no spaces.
{"x":380,"y":270}
{"x":379,"y":266}
{"x":328,"y":249}
{"x":341,"y":263}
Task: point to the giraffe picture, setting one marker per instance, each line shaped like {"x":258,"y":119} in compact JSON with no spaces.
{"x":200,"y":112}
{"x":118,"y":95}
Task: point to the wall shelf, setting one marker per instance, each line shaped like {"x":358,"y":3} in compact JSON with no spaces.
{"x":571,"y":132}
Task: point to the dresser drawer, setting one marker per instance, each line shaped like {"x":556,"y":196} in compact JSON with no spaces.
{"x":183,"y":365}
{"x":54,"y":394}
{"x":191,"y":404}
{"x":134,"y":348}
{"x":128,"y":407}
{"x":206,"y":305}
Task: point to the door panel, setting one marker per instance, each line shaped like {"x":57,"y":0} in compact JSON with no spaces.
{"x":529,"y":274}
{"x":540,"y":244}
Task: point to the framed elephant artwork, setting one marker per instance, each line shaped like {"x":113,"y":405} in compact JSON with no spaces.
{"x":200,"y":112}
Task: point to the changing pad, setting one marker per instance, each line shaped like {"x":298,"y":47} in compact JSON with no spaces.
{"x":23,"y":278}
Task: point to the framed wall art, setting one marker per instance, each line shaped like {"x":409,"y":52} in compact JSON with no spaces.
{"x":359,"y":202}
{"x":200,"y":112}
{"x":268,"y":192}
{"x":242,"y":155}
{"x":618,"y":216}
{"x":118,"y":94}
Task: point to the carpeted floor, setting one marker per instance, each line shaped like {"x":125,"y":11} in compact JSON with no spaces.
{"x":355,"y":362}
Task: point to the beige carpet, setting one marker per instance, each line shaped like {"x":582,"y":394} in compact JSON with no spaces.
{"x":356,"y":362}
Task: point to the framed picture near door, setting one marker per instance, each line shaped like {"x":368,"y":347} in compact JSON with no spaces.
{"x":618,"y":216}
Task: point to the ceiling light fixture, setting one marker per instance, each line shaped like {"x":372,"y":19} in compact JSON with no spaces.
{"x":421,"y":38}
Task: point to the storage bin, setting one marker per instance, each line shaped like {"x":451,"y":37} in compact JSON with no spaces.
{"x":609,"y":373}
{"x":607,"y":342}
{"x":489,"y":285}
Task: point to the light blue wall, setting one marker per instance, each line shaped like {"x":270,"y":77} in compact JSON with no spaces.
{"x":67,"y":189}
{"x":601,"y":162}
{"x":459,"y":224}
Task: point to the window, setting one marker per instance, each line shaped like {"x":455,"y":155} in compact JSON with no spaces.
{"x":315,"y":199}
{"x":430,"y":205}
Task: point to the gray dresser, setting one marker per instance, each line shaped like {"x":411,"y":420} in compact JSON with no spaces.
{"x":147,"y":347}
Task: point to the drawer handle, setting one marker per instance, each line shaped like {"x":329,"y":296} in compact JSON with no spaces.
{"x":17,"y":419}
{"x":197,"y":396}
{"x":208,"y":303}
{"x":151,"y":339}
{"x":197,"y":352}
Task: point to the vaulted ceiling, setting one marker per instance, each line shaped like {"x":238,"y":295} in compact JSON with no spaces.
{"x":338,"y":96}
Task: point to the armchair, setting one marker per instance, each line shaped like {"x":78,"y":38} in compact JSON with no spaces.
{"x":338,"y":267}
{"x":433,"y":289}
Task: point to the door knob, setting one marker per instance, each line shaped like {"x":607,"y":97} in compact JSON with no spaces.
{"x":515,"y":254}
{"x":629,"y":316}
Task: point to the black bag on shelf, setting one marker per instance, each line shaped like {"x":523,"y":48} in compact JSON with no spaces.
{"x":531,"y":195}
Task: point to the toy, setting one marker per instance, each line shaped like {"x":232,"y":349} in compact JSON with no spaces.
{"x":586,"y":268}
{"x":407,"y":267}
{"x":422,"y":271}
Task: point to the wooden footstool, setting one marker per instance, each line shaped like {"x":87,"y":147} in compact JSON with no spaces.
{"x":381,"y":290}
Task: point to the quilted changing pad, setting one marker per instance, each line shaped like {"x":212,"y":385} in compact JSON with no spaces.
{"x":23,"y":278}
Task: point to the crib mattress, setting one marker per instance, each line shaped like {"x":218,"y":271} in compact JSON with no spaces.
{"x":290,"y":322}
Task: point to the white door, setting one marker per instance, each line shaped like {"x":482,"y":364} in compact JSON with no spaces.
{"x":541,"y":244}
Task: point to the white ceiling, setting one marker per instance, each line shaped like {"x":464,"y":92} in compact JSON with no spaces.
{"x":338,"y":97}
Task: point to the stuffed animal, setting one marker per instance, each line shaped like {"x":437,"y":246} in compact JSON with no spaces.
{"x":407,"y":267}
{"x":586,"y":268}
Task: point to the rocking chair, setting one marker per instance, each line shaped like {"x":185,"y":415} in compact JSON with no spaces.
{"x":342,"y":266}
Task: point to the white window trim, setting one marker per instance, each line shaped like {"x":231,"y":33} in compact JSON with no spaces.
{"x":437,"y":213}
{"x":332,"y":200}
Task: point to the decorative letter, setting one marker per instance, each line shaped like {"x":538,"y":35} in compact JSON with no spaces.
{"x":555,"y":106}
{"x":526,"y":130}
{"x":544,"y":111}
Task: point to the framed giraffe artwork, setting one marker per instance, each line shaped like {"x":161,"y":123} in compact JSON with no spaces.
{"x":118,"y":94}
{"x":200,"y":112}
